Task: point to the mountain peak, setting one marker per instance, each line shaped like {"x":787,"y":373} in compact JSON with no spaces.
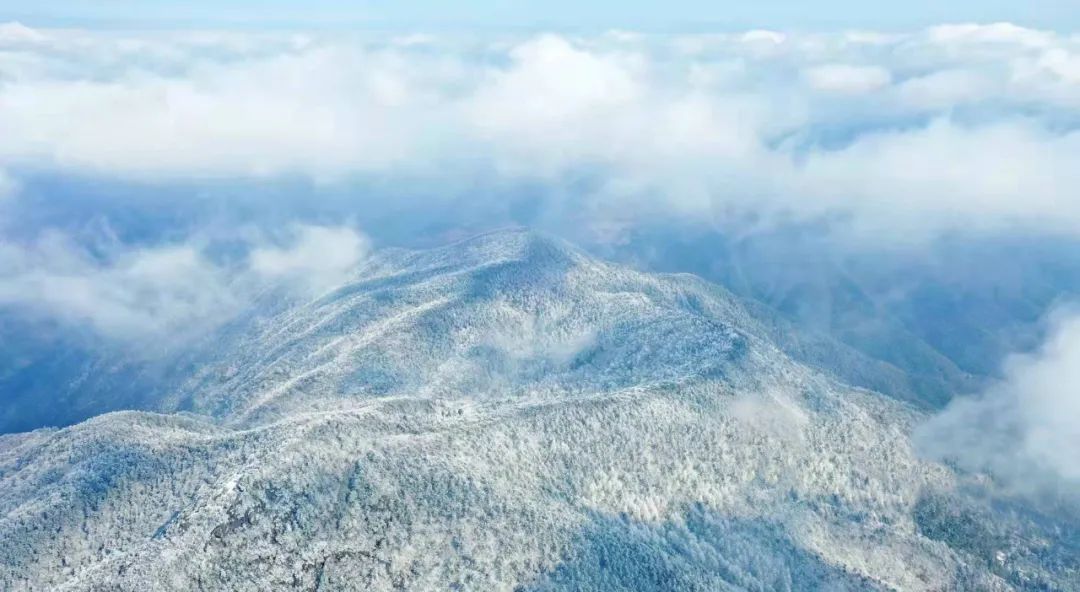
{"x":518,"y":243}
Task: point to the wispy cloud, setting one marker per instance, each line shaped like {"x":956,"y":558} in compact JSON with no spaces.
{"x":128,"y":294}
{"x":166,"y":292}
{"x":315,"y":258}
{"x":1024,"y":430}
{"x":847,"y":79}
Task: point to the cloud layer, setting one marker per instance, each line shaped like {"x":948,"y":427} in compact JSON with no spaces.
{"x":167,"y":292}
{"x":135,"y":293}
{"x":900,"y":136}
{"x":891,"y":139}
{"x":1024,"y":430}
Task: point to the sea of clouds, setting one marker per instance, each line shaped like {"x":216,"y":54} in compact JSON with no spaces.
{"x":957,"y":126}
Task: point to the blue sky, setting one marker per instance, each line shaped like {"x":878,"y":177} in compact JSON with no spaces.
{"x":673,"y":14}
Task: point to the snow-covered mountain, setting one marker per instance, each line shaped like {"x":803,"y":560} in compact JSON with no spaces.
{"x":507,"y":413}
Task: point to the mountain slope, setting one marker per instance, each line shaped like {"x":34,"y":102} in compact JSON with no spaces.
{"x":397,"y":291}
{"x":506,"y":413}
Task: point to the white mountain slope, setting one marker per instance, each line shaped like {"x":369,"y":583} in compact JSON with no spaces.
{"x":508,"y":414}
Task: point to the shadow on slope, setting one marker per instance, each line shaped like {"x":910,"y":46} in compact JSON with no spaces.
{"x":702,"y":551}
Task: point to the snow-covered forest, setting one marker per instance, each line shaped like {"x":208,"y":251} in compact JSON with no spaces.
{"x":508,"y":413}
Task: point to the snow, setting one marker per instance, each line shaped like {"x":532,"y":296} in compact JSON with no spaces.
{"x":506,"y":413}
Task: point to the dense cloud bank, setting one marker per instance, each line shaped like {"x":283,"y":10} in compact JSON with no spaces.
{"x":900,"y":137}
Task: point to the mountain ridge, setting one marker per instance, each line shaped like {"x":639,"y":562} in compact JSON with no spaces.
{"x":506,"y":413}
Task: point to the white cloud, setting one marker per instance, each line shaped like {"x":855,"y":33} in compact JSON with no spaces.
{"x":15,"y":34}
{"x":1061,"y":63}
{"x":1006,"y":34}
{"x":169,"y":292}
{"x":284,"y":113}
{"x":690,"y":125}
{"x":1025,"y":430}
{"x":847,"y":79}
{"x":159,"y":292}
{"x":554,"y":106}
{"x":317,"y":258}
{"x":772,"y":413}
{"x":1006,"y":176}
{"x":943,"y":89}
